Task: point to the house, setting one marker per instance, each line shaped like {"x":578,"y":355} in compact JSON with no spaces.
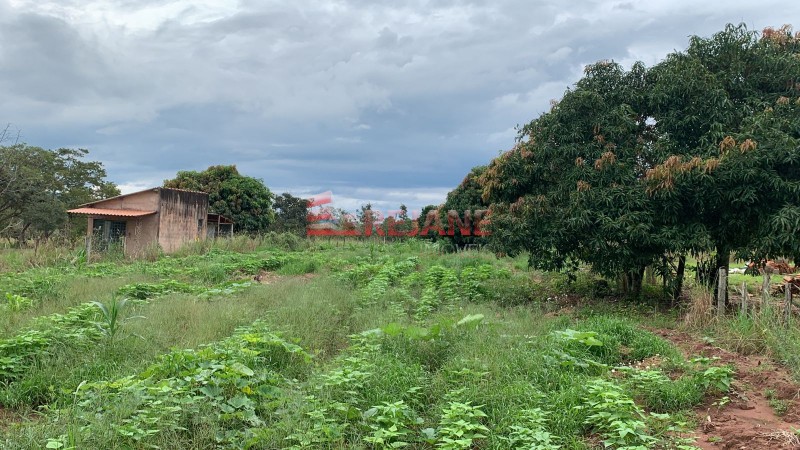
{"x":140,"y":221}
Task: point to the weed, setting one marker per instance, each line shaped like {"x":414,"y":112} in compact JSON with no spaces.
{"x":460,"y":426}
{"x":781,"y":407}
{"x":112,"y":319}
{"x":615,"y":416}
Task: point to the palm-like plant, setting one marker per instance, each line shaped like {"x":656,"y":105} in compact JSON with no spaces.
{"x":112,"y":317}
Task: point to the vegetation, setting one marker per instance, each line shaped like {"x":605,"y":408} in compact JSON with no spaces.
{"x":245,"y":200}
{"x":696,"y":156}
{"x":37,"y":186}
{"x":387,"y":346}
{"x":275,"y":341}
{"x":291,"y":214}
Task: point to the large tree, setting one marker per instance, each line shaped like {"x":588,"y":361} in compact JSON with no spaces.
{"x":291,"y":214}
{"x":37,"y":186}
{"x":245,"y":200}
{"x":725,"y":110}
{"x":633,"y":168}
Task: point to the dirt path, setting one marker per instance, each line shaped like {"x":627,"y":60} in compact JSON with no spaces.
{"x":749,"y":419}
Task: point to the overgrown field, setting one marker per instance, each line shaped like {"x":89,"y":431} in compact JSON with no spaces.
{"x":365,"y":346}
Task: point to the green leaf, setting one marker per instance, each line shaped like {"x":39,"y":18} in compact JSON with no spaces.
{"x":471,"y":320}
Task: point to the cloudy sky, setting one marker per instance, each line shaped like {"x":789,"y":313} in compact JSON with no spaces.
{"x":389,"y":102}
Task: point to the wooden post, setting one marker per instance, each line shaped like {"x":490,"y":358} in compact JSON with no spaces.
{"x":88,"y":248}
{"x":765,"y":288}
{"x":722,"y":288}
{"x":788,"y":307}
{"x":744,"y":298}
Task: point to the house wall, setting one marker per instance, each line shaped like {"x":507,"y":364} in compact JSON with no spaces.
{"x":144,"y":201}
{"x":178,"y":216}
{"x":141,"y":235}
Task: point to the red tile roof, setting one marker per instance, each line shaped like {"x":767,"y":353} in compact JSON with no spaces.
{"x":111,"y":212}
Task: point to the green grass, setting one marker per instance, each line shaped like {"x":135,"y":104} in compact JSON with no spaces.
{"x":399,"y":344}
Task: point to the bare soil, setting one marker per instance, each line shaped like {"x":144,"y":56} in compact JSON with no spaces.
{"x":747,"y":421}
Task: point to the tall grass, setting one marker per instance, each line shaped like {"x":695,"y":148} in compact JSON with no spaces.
{"x":50,"y":253}
{"x":762,"y":330}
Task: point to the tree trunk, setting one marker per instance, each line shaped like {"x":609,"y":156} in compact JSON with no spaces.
{"x":21,"y":236}
{"x":633,"y":281}
{"x":679,"y":272}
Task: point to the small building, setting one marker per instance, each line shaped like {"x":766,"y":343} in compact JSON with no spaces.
{"x":218,"y":226}
{"x":140,"y":221}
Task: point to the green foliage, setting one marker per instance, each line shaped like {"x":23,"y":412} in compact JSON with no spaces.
{"x":291,"y":214}
{"x":37,"y":186}
{"x":14,"y":302}
{"x":529,"y":431}
{"x":460,"y":426}
{"x":638,"y":168}
{"x":441,"y":286}
{"x":111,"y":317}
{"x":239,"y":379}
{"x":615,"y":416}
{"x":390,"y":424}
{"x":75,"y":328}
{"x":468,"y":373}
{"x":144,"y":291}
{"x":245,"y":200}
{"x":717,"y":378}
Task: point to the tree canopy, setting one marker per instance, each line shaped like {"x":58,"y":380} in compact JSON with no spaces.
{"x":696,"y":155}
{"x":37,"y":186}
{"x":291,"y":214}
{"x":245,"y":200}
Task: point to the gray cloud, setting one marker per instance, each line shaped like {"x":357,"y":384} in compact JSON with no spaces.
{"x":375,"y":100}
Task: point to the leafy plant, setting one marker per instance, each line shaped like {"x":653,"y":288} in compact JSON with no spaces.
{"x":615,"y":416}
{"x":16,"y":302}
{"x":390,"y":424}
{"x":718,"y":378}
{"x":529,"y":431}
{"x":112,"y":317}
{"x":781,"y":407}
{"x":460,"y":426}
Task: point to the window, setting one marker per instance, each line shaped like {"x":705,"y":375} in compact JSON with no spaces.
{"x":107,"y":232}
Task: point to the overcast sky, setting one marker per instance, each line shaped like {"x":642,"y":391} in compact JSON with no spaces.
{"x":389,"y":102}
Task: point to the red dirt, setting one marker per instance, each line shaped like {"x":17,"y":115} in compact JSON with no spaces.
{"x":747,"y":421}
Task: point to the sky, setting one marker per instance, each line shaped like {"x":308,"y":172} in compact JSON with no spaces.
{"x":386,"y":102}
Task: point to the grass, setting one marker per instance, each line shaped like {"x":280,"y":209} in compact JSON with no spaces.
{"x":384,"y":346}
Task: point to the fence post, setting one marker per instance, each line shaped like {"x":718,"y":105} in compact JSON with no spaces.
{"x":744,"y":298}
{"x":722,"y":289}
{"x":788,"y":307}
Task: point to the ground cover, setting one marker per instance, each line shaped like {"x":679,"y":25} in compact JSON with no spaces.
{"x":367,"y":346}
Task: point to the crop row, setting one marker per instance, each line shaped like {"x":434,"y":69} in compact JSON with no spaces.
{"x":23,"y":290}
{"x":85,"y":325}
{"x":419,"y":293}
{"x":239,"y":382}
{"x":398,"y":386}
